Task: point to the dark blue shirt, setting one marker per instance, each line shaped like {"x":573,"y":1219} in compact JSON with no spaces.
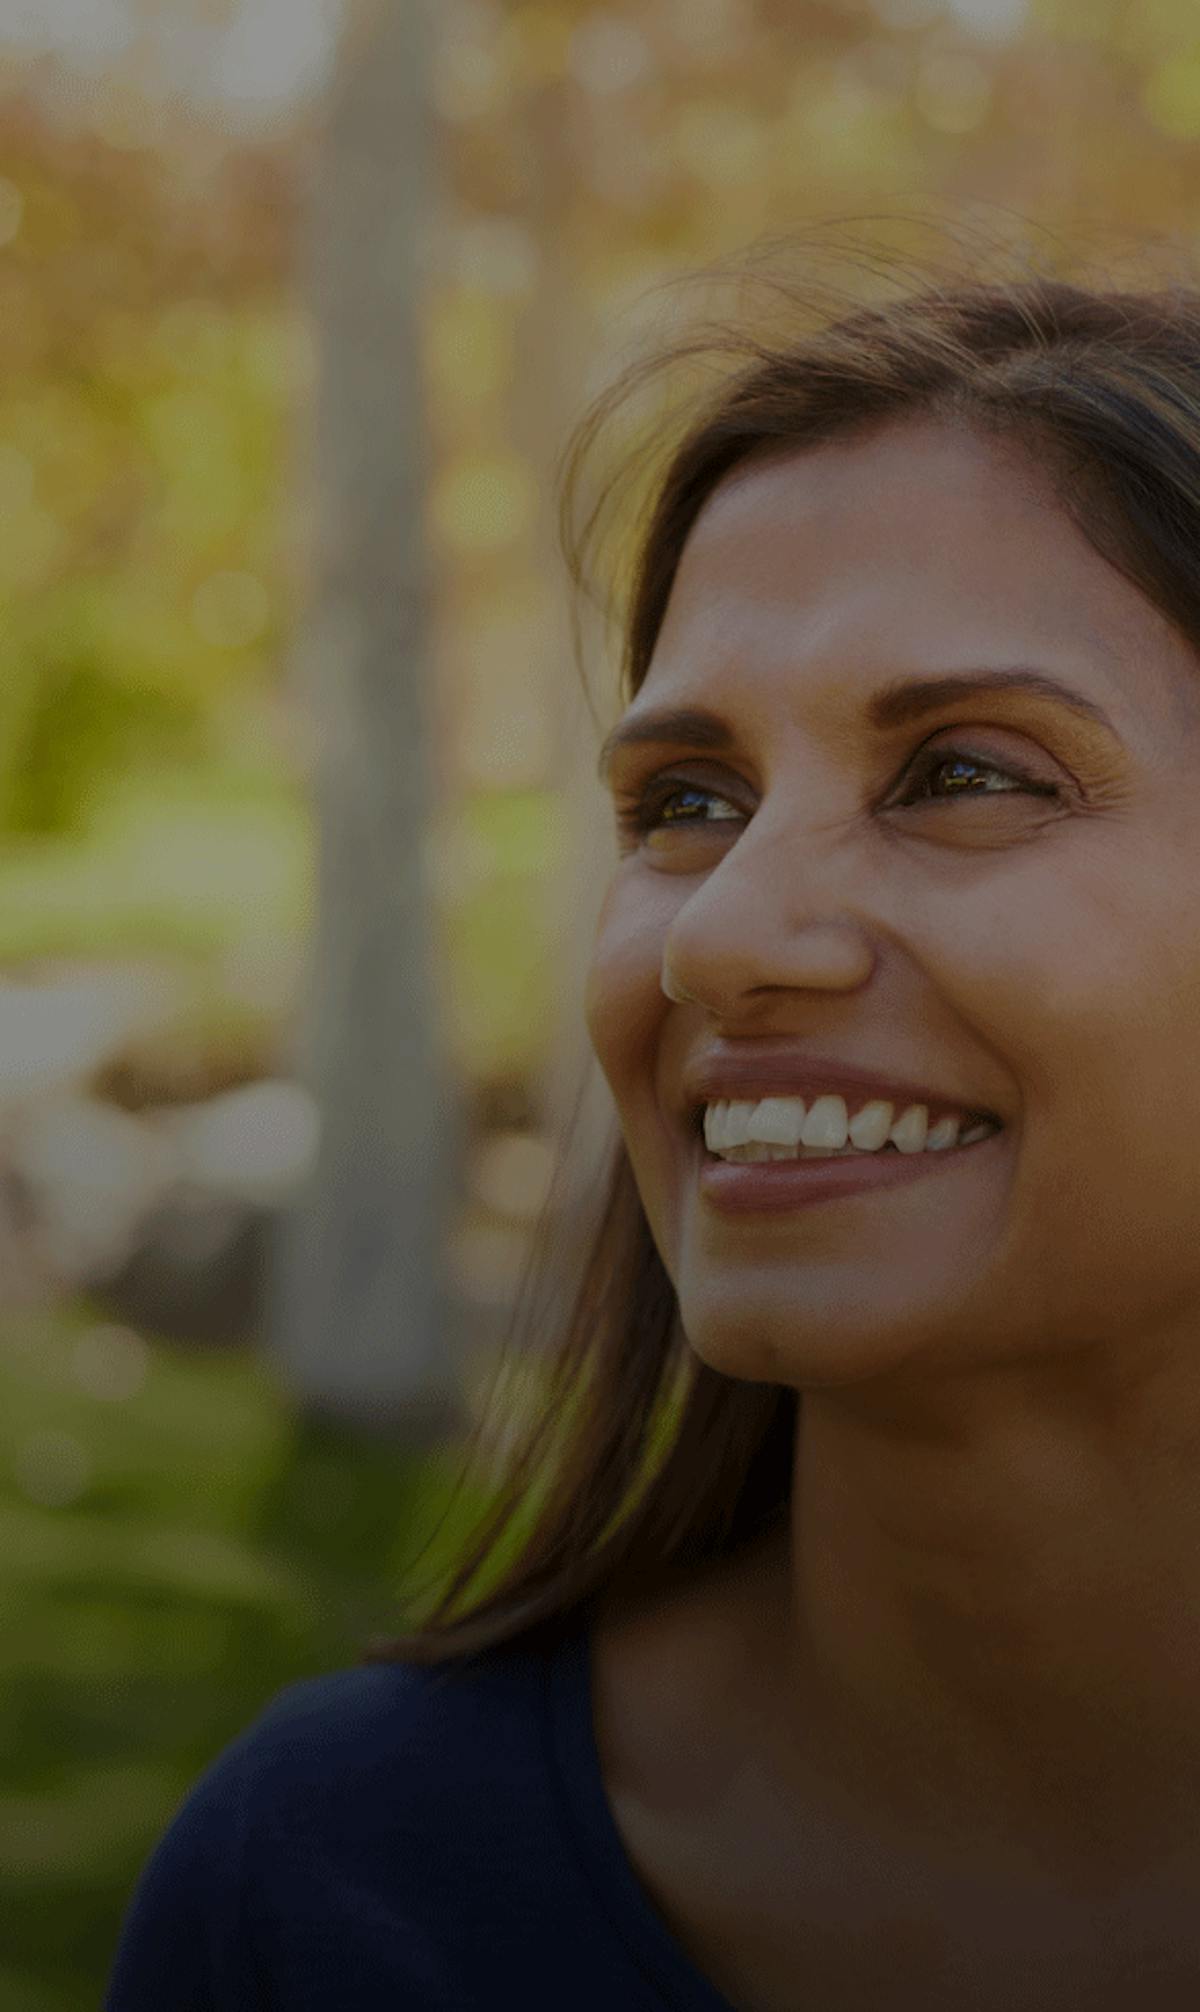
{"x":394,"y":1837}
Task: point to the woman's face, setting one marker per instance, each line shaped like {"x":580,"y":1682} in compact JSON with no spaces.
{"x":1037,"y":955}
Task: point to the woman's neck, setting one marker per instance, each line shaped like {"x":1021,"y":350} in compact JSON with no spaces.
{"x":999,"y":1622}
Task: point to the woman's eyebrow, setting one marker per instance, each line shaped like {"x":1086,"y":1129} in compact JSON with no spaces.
{"x":896,"y":704}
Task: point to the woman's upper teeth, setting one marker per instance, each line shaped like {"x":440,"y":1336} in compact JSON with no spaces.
{"x":826,"y":1125}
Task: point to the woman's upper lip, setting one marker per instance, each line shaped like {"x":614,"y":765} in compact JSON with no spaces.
{"x":763,"y":1072}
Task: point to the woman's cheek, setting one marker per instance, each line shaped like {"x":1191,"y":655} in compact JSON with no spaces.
{"x":615,"y":1006}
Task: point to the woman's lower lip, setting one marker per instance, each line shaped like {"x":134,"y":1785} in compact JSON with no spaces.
{"x":773,"y":1186}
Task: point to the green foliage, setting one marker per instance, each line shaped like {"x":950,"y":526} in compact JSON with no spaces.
{"x":175,"y":1554}
{"x":171,"y":862}
{"x":499,"y":932}
{"x":147,"y":372}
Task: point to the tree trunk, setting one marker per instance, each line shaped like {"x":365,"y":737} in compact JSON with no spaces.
{"x":572,"y":1097}
{"x":364,"y":1315}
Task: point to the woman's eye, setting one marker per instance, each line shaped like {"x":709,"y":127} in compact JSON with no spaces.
{"x":647,"y":810}
{"x":962,"y":783}
{"x":658,"y":807}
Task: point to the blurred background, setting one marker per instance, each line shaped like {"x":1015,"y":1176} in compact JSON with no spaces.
{"x":301,"y":846}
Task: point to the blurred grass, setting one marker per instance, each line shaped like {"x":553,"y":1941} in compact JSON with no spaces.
{"x":175,"y":864}
{"x":175,"y":1553}
{"x":193,"y":864}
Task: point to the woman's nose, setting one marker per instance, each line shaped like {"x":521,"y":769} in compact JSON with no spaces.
{"x":716,"y":969}
{"x":779,"y":912}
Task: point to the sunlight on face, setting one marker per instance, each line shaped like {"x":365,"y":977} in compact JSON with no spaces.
{"x":1033,"y":944}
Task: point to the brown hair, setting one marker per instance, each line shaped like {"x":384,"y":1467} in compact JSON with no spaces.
{"x":639,"y":1463}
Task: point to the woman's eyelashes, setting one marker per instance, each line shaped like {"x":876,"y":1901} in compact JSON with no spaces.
{"x":648,"y":808}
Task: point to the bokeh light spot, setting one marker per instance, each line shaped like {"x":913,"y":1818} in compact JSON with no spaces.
{"x":993,"y":18}
{"x":720,"y":145}
{"x":231,"y":610}
{"x":906,"y":14}
{"x":16,"y":478}
{"x":512,"y":1174}
{"x":495,"y":255}
{"x":466,"y":79}
{"x":483,"y":503}
{"x":953,"y":92}
{"x":52,"y":1468}
{"x":12,"y":209}
{"x":608,"y":54}
{"x":111,"y":1362}
{"x":1172,"y":95}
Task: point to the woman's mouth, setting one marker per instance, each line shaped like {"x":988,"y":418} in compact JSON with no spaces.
{"x":757,"y":1176}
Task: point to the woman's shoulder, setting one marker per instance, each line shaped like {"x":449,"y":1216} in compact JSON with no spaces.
{"x":356,"y":1797}
{"x":357,"y":1751}
{"x":404,"y":1834}
{"x":347,"y":1734}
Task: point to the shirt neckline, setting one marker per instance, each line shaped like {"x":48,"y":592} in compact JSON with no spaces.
{"x":575,"y":1763}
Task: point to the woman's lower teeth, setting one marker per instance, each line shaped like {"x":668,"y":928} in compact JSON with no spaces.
{"x":763,"y":1152}
{"x":753,"y":1153}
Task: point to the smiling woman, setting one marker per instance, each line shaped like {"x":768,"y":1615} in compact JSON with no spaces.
{"x":836,"y":1631}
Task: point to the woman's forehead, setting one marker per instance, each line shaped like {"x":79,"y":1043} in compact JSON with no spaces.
{"x":921,"y":549}
{"x":903,"y":491}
